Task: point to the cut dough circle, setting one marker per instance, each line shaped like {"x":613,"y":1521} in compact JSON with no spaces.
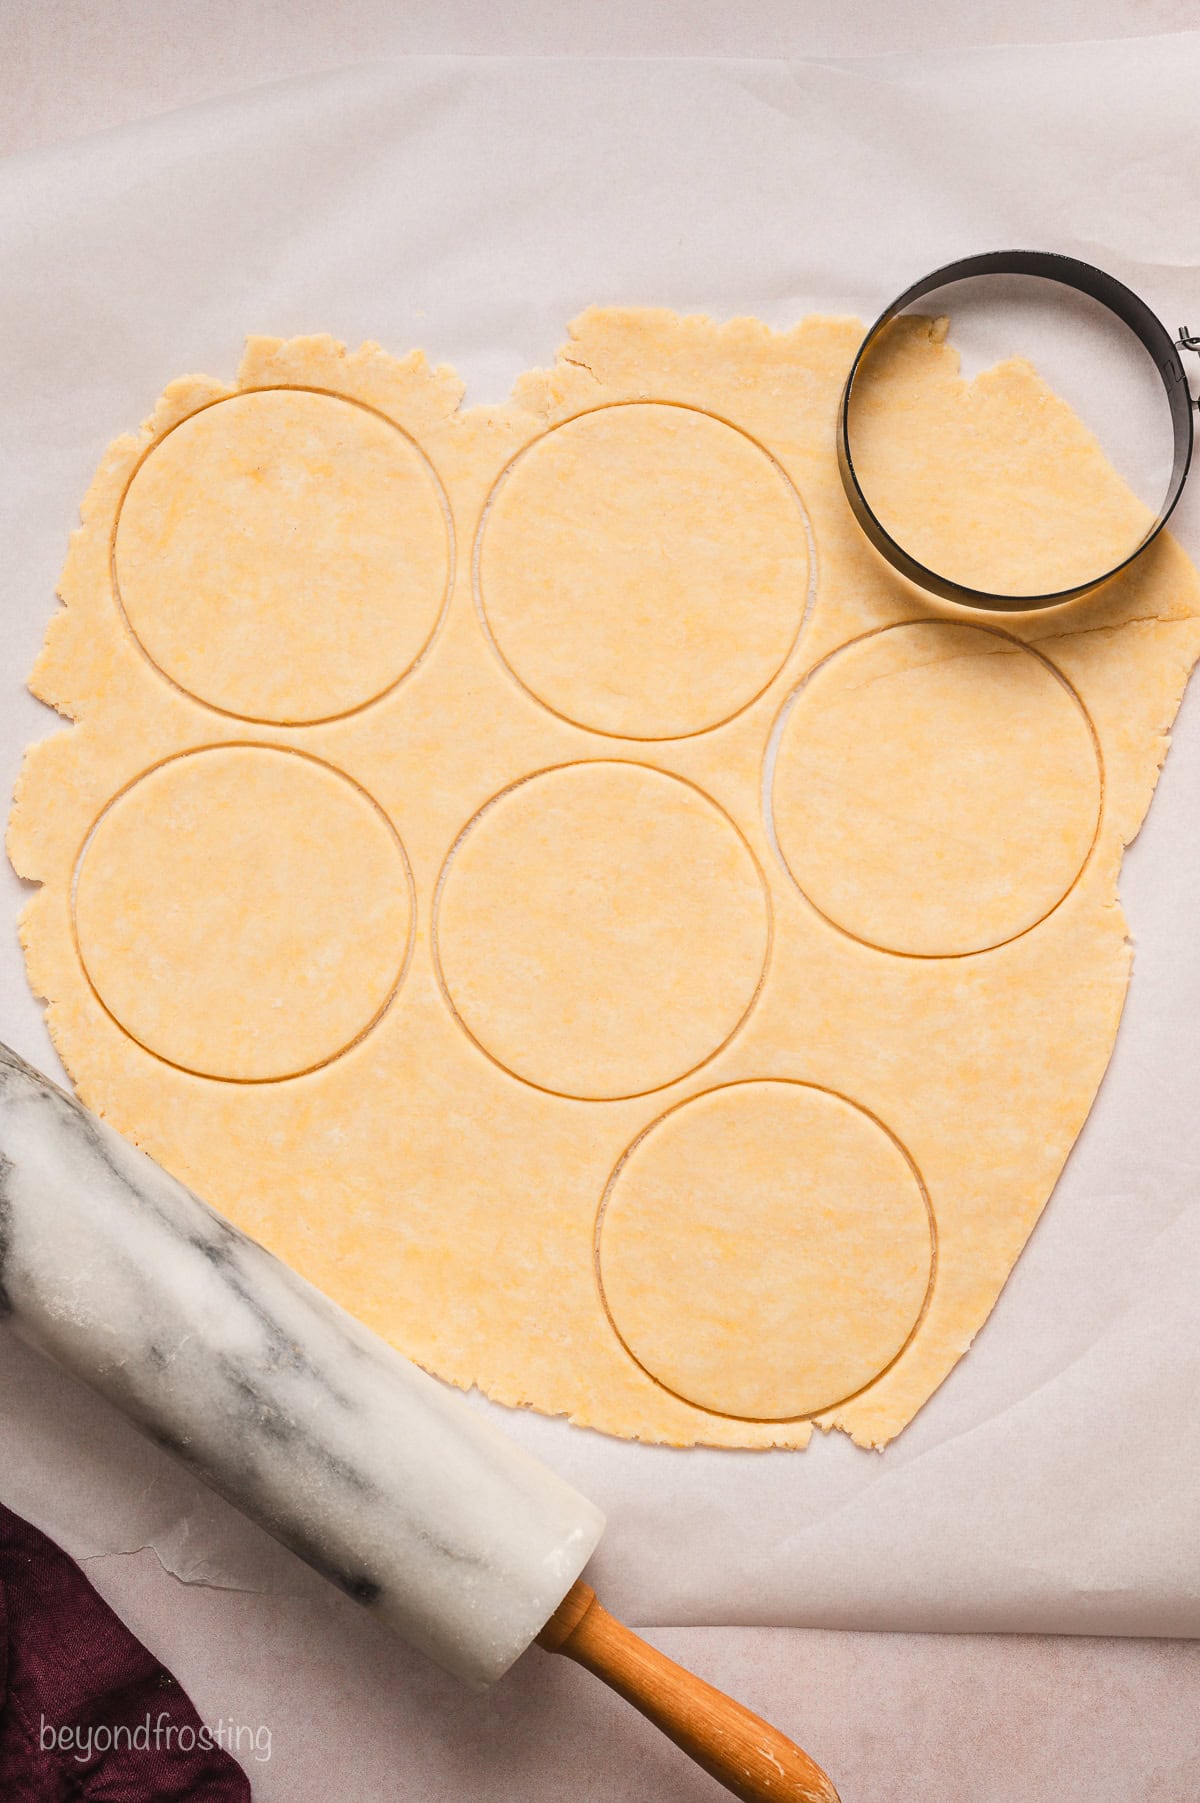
{"x":243,"y":912}
{"x":765,"y":1250}
{"x":601,"y":929}
{"x":643,"y":570}
{"x":937,"y":788}
{"x":283,"y":555}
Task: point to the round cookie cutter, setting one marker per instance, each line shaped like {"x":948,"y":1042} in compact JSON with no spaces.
{"x":1119,"y":300}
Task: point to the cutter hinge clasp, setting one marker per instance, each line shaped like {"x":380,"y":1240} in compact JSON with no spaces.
{"x":1189,"y":341}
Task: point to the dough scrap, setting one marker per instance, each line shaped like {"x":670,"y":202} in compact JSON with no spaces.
{"x":643,"y":852}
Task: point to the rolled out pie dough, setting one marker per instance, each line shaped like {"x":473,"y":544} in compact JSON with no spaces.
{"x":537,"y":869}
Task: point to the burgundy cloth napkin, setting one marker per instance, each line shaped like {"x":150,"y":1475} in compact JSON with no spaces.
{"x":86,"y":1713}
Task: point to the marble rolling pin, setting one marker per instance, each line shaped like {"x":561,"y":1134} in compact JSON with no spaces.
{"x":377,"y":1475}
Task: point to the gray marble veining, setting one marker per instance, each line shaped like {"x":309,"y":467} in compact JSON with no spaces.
{"x":373,"y":1472}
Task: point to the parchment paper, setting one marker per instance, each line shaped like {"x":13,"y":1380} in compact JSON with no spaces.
{"x":473,"y":207}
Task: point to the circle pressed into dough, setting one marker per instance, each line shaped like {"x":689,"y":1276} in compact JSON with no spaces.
{"x":937,"y":789}
{"x":643,"y":570}
{"x":283,"y":555}
{"x":765,"y":1250}
{"x":601,"y":929}
{"x":243,"y":912}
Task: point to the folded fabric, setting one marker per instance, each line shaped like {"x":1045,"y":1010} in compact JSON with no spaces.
{"x":86,"y":1713}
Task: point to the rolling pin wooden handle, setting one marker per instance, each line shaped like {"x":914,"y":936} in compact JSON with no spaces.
{"x":737,"y":1748}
